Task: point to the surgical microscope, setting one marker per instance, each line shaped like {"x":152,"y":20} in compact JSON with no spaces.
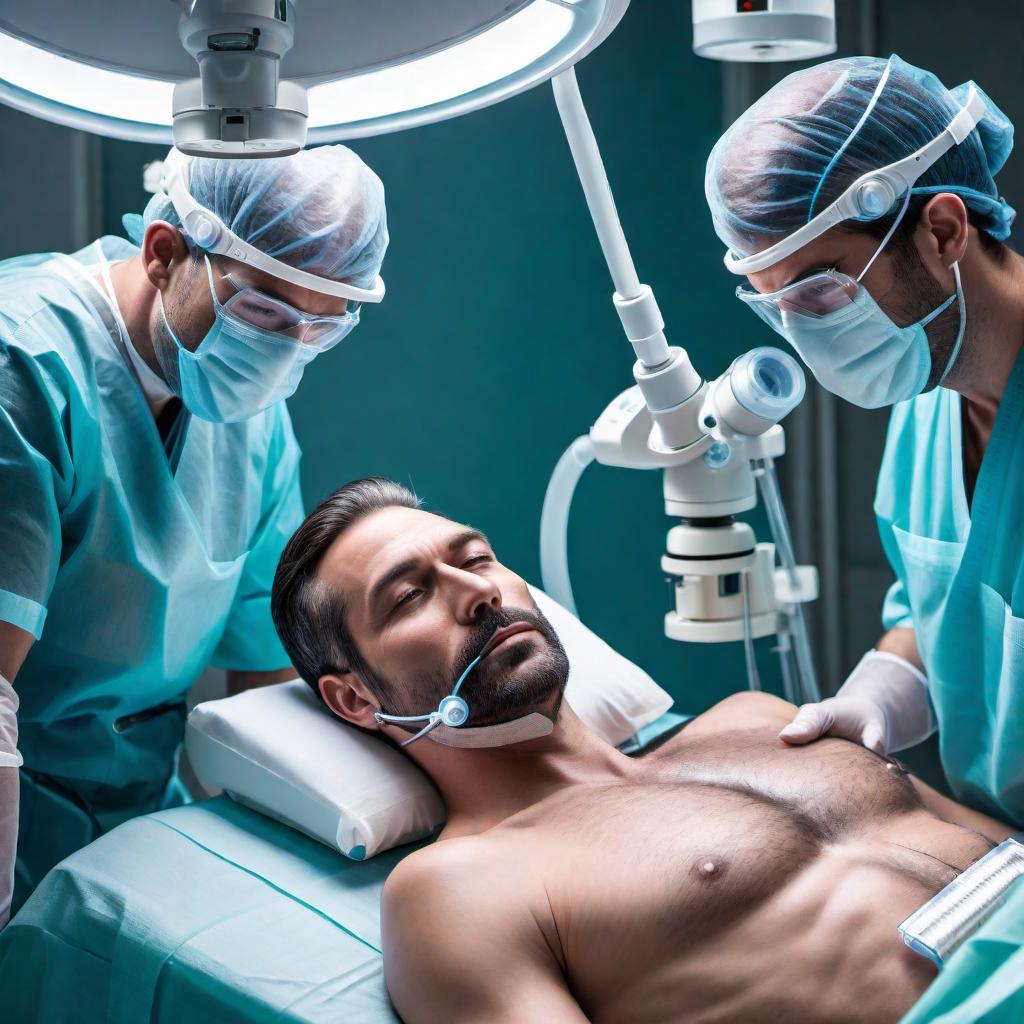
{"x":715,"y":442}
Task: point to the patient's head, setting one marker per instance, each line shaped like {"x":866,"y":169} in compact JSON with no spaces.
{"x":382,"y":605}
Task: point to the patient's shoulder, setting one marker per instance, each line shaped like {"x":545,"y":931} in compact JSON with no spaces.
{"x":744,"y":710}
{"x":461,"y":870}
{"x":450,"y":902}
{"x":434,"y":862}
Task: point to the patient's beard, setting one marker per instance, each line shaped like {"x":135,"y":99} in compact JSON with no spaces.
{"x":504,"y":686}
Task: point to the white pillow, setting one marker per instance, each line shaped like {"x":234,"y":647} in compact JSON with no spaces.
{"x":277,"y":750}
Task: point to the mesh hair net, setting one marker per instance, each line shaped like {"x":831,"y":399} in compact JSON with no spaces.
{"x":798,"y":148}
{"x":321,"y":210}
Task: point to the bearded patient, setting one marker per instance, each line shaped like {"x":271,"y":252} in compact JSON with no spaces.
{"x":722,"y":877}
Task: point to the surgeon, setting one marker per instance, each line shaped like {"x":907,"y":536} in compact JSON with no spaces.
{"x":857,"y":198}
{"x":149,"y":474}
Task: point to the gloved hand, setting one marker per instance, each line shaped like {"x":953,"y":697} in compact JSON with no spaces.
{"x":884,"y":706}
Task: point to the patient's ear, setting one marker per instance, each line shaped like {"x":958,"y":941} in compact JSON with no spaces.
{"x":345,"y":694}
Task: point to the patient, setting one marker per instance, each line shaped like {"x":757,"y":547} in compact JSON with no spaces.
{"x":722,"y":877}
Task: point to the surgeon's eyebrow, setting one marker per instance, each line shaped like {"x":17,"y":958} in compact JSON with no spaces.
{"x":409,"y":565}
{"x":269,"y":289}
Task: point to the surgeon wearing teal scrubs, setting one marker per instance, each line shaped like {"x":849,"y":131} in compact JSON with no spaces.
{"x":149,"y":476}
{"x":858,"y":200}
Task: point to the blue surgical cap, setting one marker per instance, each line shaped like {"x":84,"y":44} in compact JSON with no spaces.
{"x":321,"y":210}
{"x":800,"y":146}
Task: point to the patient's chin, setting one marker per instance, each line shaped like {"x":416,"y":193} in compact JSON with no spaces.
{"x":525,"y":677}
{"x":515,"y":651}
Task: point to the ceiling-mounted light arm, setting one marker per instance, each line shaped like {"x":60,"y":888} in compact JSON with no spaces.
{"x":670,"y":385}
{"x":239,"y":106}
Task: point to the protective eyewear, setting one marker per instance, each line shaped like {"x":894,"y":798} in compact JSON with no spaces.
{"x":815,"y":296}
{"x":818,"y":295}
{"x":268,"y":313}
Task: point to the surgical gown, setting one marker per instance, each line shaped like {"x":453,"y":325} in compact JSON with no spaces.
{"x":134,"y":567}
{"x":960,"y":585}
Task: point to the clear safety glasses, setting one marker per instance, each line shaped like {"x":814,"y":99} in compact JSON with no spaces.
{"x":267,"y":313}
{"x":815,"y":296}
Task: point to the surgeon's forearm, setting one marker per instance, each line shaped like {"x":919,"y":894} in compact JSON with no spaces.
{"x":9,"y":794}
{"x":15,"y":643}
{"x":10,"y":759}
{"x":239,"y":681}
{"x":903,"y":642}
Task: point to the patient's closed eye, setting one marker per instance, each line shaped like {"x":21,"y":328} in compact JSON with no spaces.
{"x":409,"y":597}
{"x":406,"y":598}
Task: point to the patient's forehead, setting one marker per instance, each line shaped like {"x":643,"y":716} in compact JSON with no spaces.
{"x":381,"y":540}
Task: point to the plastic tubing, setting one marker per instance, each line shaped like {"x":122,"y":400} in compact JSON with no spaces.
{"x":769,"y":486}
{"x":753,"y":677}
{"x":554,"y":520}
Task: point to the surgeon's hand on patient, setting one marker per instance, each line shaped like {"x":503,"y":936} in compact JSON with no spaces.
{"x":884,"y":706}
{"x":850,"y":718}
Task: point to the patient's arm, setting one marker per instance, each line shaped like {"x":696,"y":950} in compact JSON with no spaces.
{"x":744,"y":710}
{"x":460,"y":943}
{"x":958,"y":814}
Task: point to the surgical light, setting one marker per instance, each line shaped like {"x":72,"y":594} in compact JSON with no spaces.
{"x":764,"y":30}
{"x":239,"y":105}
{"x":273,"y":74}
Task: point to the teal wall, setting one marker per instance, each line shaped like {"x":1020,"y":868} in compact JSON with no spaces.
{"x":497,"y":343}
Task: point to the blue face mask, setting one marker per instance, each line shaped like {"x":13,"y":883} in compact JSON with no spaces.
{"x":239,"y":369}
{"x":851,"y":345}
{"x":859,"y":354}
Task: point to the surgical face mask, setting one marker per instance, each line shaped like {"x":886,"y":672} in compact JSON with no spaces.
{"x":850,"y":344}
{"x":239,"y":368}
{"x":447,"y":723}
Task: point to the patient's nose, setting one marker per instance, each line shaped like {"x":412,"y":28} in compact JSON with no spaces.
{"x":477,"y":597}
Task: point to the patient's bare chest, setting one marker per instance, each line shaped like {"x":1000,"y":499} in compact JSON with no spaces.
{"x":639,"y":874}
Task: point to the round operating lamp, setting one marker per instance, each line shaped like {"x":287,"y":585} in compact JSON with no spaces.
{"x":348,"y":68}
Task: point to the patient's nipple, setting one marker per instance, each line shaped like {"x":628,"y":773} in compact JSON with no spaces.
{"x":710,"y":868}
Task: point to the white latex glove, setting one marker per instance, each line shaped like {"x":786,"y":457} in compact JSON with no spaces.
{"x":884,"y":706}
{"x":10,"y":760}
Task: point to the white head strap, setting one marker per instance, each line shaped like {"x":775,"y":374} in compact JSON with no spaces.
{"x":209,"y":232}
{"x":529,"y":727}
{"x":872,"y":195}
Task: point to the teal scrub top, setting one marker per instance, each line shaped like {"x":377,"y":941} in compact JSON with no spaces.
{"x":960,"y":585}
{"x":134,"y":568}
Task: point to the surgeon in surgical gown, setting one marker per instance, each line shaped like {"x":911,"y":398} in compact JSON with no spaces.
{"x":149,"y":477}
{"x":908,"y":296}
